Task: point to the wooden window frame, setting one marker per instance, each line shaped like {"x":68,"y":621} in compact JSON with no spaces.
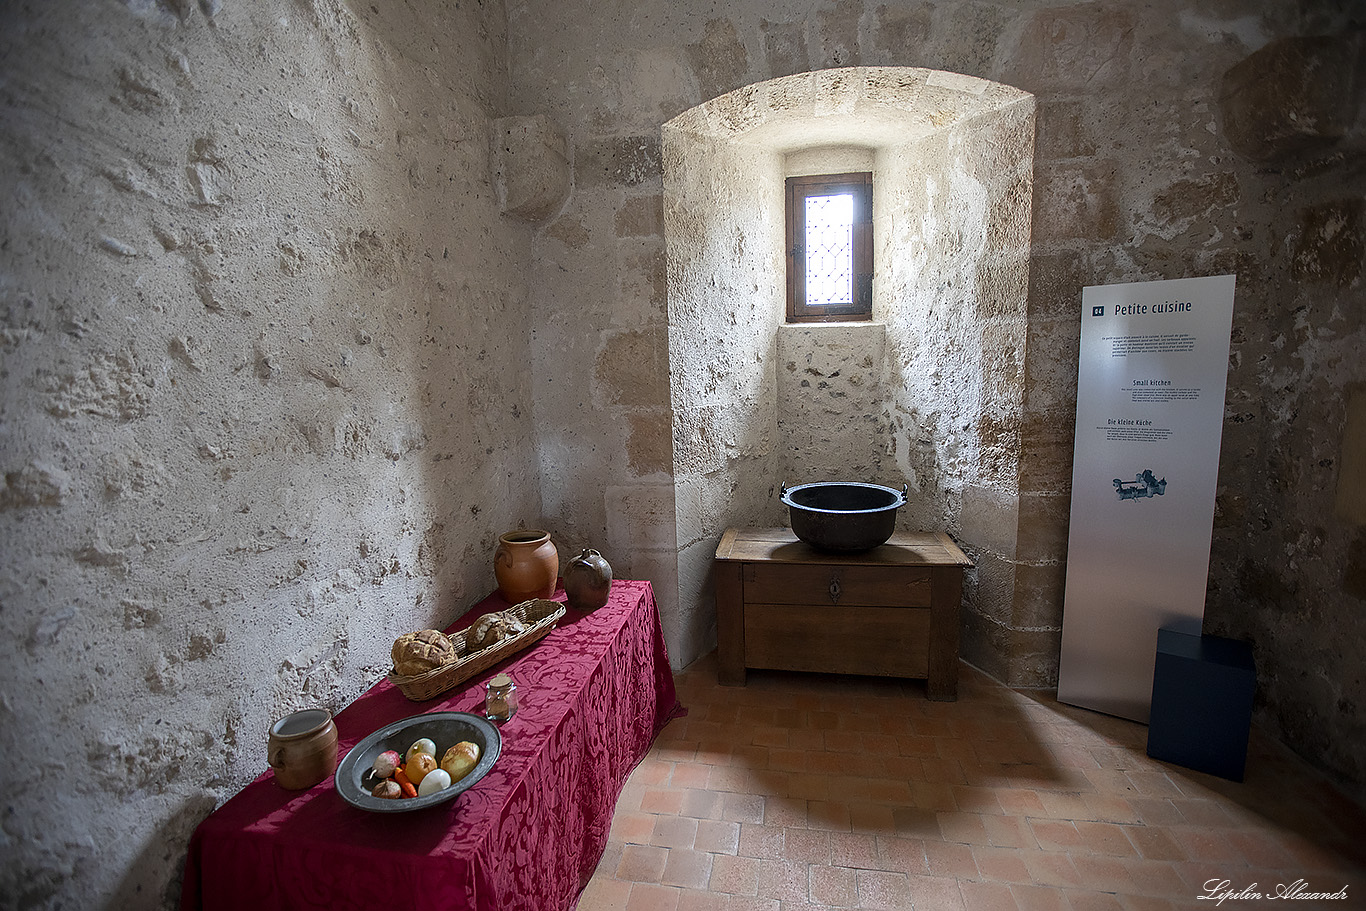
{"x":798,"y":189}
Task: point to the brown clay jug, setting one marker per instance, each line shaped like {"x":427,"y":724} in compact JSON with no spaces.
{"x":526,"y":565}
{"x":303,"y":748}
{"x":588,"y":580}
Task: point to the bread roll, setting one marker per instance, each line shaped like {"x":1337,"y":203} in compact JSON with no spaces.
{"x":491,"y":629}
{"x":422,"y":651}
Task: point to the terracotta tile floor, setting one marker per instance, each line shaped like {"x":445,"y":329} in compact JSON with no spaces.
{"x":802,"y":792}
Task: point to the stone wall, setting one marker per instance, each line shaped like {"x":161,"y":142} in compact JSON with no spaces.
{"x":722,"y":310}
{"x":259,"y":325}
{"x":955,"y":310}
{"x":1289,"y":557}
{"x":1148,"y":164}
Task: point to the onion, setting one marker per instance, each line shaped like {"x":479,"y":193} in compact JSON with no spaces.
{"x":387,"y":789}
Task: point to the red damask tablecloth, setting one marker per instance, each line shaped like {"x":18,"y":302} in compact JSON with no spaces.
{"x":594,"y":694}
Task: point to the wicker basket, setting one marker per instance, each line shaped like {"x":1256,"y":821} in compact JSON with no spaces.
{"x":540,"y":616}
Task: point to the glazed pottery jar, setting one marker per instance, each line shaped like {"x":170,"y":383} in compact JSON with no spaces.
{"x":526,"y":565}
{"x":588,"y":580}
{"x":303,"y":748}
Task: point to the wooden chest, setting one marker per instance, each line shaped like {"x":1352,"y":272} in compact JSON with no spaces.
{"x":891,"y":611}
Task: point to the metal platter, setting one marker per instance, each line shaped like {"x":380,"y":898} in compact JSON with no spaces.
{"x":445,"y":729}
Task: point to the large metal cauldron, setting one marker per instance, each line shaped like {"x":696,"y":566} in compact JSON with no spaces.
{"x":843,"y":515}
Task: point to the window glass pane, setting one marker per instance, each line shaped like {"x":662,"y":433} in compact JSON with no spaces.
{"x":830,"y":249}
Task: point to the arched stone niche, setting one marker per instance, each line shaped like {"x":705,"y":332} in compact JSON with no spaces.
{"x":929,"y":394}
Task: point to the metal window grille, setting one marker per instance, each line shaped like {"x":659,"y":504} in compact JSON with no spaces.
{"x":829,"y":250}
{"x":829,"y":247}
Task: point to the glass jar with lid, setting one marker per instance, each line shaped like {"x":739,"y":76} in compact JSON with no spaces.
{"x":500,"y":701}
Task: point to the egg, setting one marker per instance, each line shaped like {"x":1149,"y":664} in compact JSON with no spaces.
{"x":425,"y":745}
{"x":433,"y":781}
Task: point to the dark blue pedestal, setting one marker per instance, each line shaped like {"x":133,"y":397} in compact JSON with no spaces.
{"x":1202,"y":703}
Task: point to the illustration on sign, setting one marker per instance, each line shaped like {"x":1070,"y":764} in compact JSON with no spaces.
{"x":1146,"y":485}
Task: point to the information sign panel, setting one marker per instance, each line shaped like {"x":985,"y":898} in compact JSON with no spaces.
{"x":1150,"y":408}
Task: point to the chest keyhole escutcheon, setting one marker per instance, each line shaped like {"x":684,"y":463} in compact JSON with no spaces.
{"x":835,"y":590}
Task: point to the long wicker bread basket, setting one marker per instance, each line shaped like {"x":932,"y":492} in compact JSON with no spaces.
{"x":540,"y":615}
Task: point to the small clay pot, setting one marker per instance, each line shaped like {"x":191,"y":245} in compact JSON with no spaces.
{"x":303,"y":748}
{"x":587,"y":580}
{"x":526,"y":565}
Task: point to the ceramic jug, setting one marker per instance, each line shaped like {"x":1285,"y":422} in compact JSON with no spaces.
{"x":526,"y":565}
{"x":303,"y":748}
{"x":588,"y":580}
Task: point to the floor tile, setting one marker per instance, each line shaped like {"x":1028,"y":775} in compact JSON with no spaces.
{"x":1109,"y":808}
{"x":1088,"y":900}
{"x":742,"y":807}
{"x":836,"y":887}
{"x":652,"y":897}
{"x":1203,"y":844}
{"x":661,"y":800}
{"x":688,"y":775}
{"x":701,"y":900}
{"x":949,"y":859}
{"x":688,"y":869}
{"x":734,"y":875}
{"x":1002,"y":865}
{"x":854,"y":849}
{"x":603,"y":893}
{"x":674,"y":832}
{"x":938,"y":892}
{"x":882,"y":891}
{"x":784,"y":880}
{"x":1108,"y":874}
{"x":760,"y":841}
{"x":1156,"y":878}
{"x":1104,"y":838}
{"x":781,"y":812}
{"x":700,"y":803}
{"x":717,"y":836}
{"x":871,"y":818}
{"x":1039,"y":898}
{"x":1009,"y":831}
{"x":963,"y":828}
{"x":829,"y":815}
{"x":809,"y":846}
{"x":634,"y":827}
{"x":642,"y":863}
{"x":1055,"y":834}
{"x":987,"y":896}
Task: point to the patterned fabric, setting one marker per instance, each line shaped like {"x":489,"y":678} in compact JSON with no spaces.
{"x":593,"y":695}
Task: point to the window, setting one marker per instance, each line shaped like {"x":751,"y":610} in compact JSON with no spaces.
{"x":830,"y":247}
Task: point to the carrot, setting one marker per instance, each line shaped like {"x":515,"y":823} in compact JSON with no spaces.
{"x":404,"y":783}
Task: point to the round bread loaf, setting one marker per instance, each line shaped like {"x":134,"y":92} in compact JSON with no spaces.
{"x":422,"y":651}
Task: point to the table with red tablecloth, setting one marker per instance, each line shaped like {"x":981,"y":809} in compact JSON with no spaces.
{"x":594,"y":693}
